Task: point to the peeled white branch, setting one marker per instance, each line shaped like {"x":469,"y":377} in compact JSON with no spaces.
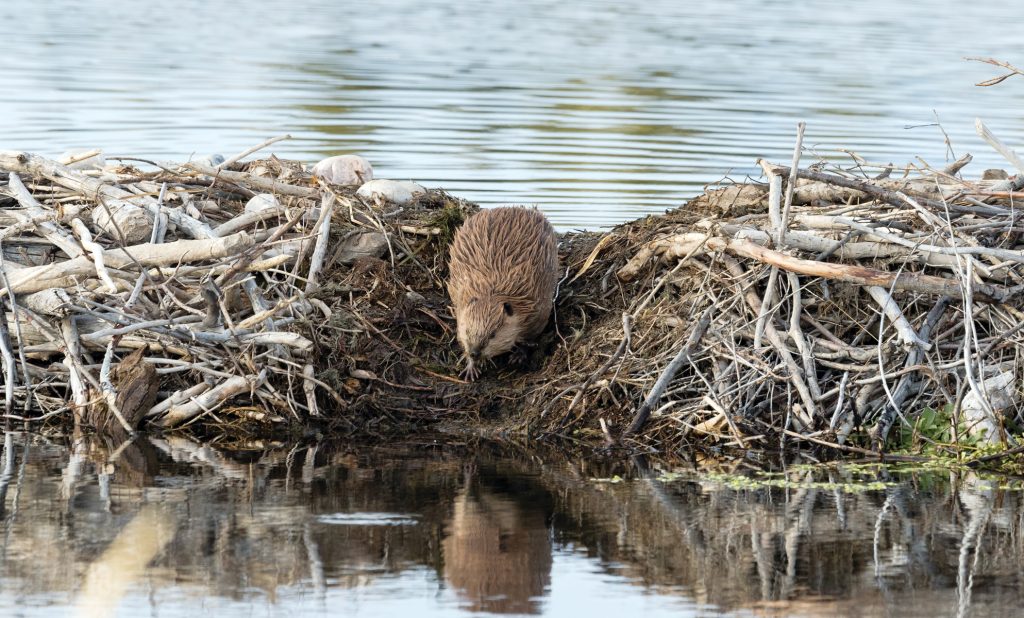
{"x":36,"y":278}
{"x":210,"y":400}
{"x":96,"y":251}
{"x":35,"y":213}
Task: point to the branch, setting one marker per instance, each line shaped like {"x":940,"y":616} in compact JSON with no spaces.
{"x":670,"y":372}
{"x":999,"y":63}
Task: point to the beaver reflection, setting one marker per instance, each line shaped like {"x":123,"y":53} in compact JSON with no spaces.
{"x":498,"y":552}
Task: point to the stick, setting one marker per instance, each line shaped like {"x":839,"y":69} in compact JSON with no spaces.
{"x":245,"y":153}
{"x":109,"y":393}
{"x":999,"y":63}
{"x":893,"y":197}
{"x":246,"y":219}
{"x":9,"y":366}
{"x":681,"y":357}
{"x":810,"y":410}
{"x":1008,"y":153}
{"x":309,"y":387}
{"x":268,"y":185}
{"x":96,"y":251}
{"x":797,"y":335}
{"x":316,"y":262}
{"x":157,"y":236}
{"x":683,"y":244}
{"x":899,"y":321}
{"x":775,"y":217}
{"x":26,"y":378}
{"x":781,"y":232}
{"x":94,"y":189}
{"x":209,"y":400}
{"x":72,"y":350}
{"x":880,"y":432}
{"x":178,"y":397}
{"x":37,"y":214}
{"x":956,"y":166}
{"x":37,"y":278}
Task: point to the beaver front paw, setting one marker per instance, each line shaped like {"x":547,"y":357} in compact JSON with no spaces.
{"x":471,"y":372}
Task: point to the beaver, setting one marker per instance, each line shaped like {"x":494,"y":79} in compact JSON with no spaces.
{"x":503,"y":271}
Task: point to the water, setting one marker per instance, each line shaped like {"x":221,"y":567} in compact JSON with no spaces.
{"x":598,"y":111}
{"x":172,"y":528}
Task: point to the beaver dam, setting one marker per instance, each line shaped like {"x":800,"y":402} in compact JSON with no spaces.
{"x":856,"y":305}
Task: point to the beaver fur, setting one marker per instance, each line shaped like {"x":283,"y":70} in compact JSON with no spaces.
{"x":503,"y":273}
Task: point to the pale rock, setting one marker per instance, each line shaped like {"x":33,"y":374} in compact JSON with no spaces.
{"x":95,"y":162}
{"x":399,"y":192}
{"x":365,"y":244}
{"x":260,"y":202}
{"x":344,"y":170}
{"x":1002,"y":394}
{"x":212,"y":160}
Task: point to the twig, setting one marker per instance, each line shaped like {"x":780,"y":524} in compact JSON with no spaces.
{"x":999,"y":63}
{"x":627,"y":330}
{"x":681,"y":357}
{"x":248,"y":151}
{"x":790,"y":186}
{"x":96,"y":251}
{"x":109,"y":393}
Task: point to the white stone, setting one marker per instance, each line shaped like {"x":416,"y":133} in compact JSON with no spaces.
{"x":344,"y":170}
{"x":94,"y":162}
{"x":260,"y":202}
{"x":1001,"y":394}
{"x":213,"y":159}
{"x":400,"y":192}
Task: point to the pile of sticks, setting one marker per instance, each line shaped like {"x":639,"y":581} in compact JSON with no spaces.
{"x":158,"y":296}
{"x":824,"y":305}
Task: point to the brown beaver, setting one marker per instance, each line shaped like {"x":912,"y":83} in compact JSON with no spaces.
{"x":503,"y":273}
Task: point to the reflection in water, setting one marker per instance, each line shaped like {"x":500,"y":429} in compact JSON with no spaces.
{"x":173,"y":528}
{"x":111,"y":575}
{"x":597,"y":110}
{"x":498,"y":553}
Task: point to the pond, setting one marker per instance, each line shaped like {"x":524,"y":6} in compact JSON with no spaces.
{"x":598,"y":111}
{"x":169,"y":527}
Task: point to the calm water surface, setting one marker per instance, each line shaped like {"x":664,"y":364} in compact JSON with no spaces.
{"x":598,"y":111}
{"x":169,"y":527}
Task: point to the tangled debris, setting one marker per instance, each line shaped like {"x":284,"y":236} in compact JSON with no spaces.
{"x":192,"y":292}
{"x":826,"y":305}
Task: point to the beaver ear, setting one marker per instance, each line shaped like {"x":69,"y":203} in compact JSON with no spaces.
{"x":508,"y":309}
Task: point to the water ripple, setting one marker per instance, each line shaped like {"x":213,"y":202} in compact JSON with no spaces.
{"x":597,"y":111}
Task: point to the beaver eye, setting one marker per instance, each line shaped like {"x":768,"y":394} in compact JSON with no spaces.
{"x":508,"y":309}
